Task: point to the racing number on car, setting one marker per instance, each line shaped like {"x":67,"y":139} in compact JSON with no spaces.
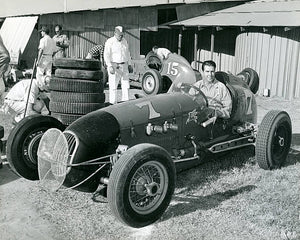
{"x":172,"y":68}
{"x":152,"y":112}
{"x":248,"y":96}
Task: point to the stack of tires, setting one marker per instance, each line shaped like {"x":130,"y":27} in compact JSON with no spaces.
{"x":76,"y":88}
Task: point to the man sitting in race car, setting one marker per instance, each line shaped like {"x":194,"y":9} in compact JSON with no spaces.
{"x":217,"y":94}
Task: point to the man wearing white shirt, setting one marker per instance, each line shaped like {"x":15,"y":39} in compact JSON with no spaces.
{"x":118,"y":61}
{"x":46,"y":49}
{"x":162,"y":53}
{"x":34,"y":91}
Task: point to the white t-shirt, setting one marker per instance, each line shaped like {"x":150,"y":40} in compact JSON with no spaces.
{"x":47,"y":44}
{"x":163,"y":53}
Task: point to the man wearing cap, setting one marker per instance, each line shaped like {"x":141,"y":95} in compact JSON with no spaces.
{"x":118,"y":61}
{"x":46,"y":50}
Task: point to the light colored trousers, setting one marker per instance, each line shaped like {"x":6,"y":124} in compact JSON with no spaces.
{"x":121,"y":73}
{"x":18,"y":107}
{"x":44,"y":67}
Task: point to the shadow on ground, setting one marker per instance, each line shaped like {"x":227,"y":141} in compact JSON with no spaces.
{"x":7,"y":175}
{"x":192,"y":203}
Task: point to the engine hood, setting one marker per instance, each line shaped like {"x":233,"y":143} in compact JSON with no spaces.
{"x":145,"y":110}
{"x":97,"y":130}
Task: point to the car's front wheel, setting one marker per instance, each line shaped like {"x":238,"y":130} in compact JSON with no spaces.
{"x":273,"y":140}
{"x":141,"y":185}
{"x":23,"y":141}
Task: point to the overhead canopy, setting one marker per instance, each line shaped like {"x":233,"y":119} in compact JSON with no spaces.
{"x":36,"y":7}
{"x":16,"y":32}
{"x":251,"y":14}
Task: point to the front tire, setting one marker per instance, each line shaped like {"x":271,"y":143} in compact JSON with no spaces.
{"x":141,"y":185}
{"x":273,"y":140}
{"x":23,"y":142}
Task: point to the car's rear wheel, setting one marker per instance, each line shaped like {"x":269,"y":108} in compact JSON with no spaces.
{"x":141,"y":185}
{"x":273,"y":140}
{"x":152,"y":82}
{"x":23,"y":142}
{"x":251,"y":77}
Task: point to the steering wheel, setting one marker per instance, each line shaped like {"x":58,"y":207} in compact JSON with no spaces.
{"x":186,"y":89}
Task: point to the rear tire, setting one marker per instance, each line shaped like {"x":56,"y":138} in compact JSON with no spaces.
{"x":141,"y":185}
{"x":23,"y":141}
{"x":273,"y":140}
{"x":251,"y":77}
{"x":152,"y":82}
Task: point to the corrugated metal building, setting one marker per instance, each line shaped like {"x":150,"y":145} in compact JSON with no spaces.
{"x":86,"y":28}
{"x":262,"y":35}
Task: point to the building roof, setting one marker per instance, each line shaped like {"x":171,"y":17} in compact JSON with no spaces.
{"x":256,"y":13}
{"x":11,"y":8}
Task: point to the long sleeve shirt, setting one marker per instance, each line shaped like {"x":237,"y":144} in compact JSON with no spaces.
{"x":218,"y":96}
{"x":116,"y":51}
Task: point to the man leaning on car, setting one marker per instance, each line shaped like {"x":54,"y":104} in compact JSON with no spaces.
{"x":217,"y":94}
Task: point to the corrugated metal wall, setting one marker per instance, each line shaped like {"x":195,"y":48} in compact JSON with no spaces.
{"x":275,"y":56}
{"x":88,"y":28}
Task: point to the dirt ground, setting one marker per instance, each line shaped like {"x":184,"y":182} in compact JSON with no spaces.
{"x":26,"y":210}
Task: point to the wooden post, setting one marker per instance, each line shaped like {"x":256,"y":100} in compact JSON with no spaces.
{"x":195,"y":44}
{"x":179,"y":41}
{"x":212,"y":43}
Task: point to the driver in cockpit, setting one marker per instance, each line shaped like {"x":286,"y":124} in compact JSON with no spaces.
{"x":217,"y":93}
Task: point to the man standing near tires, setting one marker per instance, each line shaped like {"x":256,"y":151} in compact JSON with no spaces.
{"x":46,"y":50}
{"x":118,"y":61}
{"x":61,"y":41}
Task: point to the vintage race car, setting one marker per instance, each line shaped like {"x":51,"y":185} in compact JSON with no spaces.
{"x":156,"y":76}
{"x":134,"y":149}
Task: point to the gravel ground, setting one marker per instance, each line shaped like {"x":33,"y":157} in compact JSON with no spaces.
{"x":29,"y":212}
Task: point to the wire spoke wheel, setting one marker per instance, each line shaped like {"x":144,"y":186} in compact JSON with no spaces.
{"x":141,"y":185}
{"x":148,"y":187}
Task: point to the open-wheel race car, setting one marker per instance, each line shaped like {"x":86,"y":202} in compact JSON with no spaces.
{"x":134,"y":149}
{"x":155,"y":75}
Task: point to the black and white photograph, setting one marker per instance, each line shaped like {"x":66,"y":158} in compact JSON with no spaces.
{"x":146,"y":120}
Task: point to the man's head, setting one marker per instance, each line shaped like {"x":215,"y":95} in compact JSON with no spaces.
{"x":44,"y":30}
{"x":44,"y":83}
{"x":58,"y":29}
{"x":154,"y":49}
{"x":209,"y":69}
{"x":119,"y":33}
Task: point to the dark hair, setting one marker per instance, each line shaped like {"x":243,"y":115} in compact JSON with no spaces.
{"x":154,"y":47}
{"x":208,"y":63}
{"x":59,"y":26}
